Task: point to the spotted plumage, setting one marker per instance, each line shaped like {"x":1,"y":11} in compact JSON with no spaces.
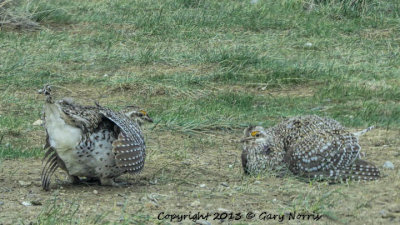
{"x":309,"y":146}
{"x":91,"y":141}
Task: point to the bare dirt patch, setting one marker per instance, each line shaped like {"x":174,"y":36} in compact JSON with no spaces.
{"x":165,"y":69}
{"x":263,"y":89}
{"x":190,"y":174}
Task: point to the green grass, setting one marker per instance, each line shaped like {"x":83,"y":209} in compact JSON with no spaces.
{"x":179,"y":59}
{"x":9,"y":152}
{"x":203,"y":68}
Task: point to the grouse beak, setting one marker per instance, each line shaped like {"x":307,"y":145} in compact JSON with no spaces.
{"x":247,"y":139}
{"x":148,"y":119}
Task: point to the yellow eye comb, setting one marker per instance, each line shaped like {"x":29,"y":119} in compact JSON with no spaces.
{"x":143,"y":112}
{"x":254,"y":133}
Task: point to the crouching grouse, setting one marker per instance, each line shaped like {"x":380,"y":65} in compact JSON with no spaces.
{"x":309,"y":146}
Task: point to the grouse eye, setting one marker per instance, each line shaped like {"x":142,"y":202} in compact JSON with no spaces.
{"x":255,"y":133}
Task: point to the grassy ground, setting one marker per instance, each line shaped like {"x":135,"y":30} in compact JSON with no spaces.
{"x":204,"y":70}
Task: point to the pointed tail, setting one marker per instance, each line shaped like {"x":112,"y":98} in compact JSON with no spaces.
{"x":360,"y":170}
{"x":359,"y":133}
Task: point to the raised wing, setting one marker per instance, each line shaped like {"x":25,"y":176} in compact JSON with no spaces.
{"x":85,"y":117}
{"x":130,"y":148}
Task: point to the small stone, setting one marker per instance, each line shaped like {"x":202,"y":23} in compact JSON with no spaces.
{"x":24,"y":184}
{"x":223,"y":210}
{"x":26,"y":203}
{"x":224,"y":184}
{"x":308,"y":44}
{"x":1,"y":203}
{"x":202,"y":185}
{"x":195,"y":203}
{"x":208,"y":206}
{"x":388,"y":165}
{"x":230,"y":166}
{"x":203,"y":222}
{"x":253,"y":1}
{"x":38,"y":122}
{"x":120,"y":204}
{"x":95,"y":192}
{"x":257,"y":182}
{"x":153,"y":197}
{"x":8,"y":145}
{"x":105,"y":75}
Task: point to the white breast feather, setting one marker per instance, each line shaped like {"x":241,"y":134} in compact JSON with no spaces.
{"x":63,"y":138}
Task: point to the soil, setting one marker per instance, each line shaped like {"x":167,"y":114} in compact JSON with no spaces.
{"x":188,"y":174}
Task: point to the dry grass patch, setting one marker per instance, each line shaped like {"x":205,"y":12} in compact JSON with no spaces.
{"x":11,"y":16}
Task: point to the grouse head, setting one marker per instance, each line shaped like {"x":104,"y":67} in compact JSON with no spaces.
{"x":137,"y":114}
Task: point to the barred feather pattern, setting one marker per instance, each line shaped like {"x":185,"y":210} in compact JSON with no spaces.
{"x":359,"y":170}
{"x":51,"y":163}
{"x":49,"y":168}
{"x":128,"y":155}
{"x":130,"y":148}
{"x":253,"y":159}
{"x":110,"y":142}
{"x":85,"y":117}
{"x":309,"y":146}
